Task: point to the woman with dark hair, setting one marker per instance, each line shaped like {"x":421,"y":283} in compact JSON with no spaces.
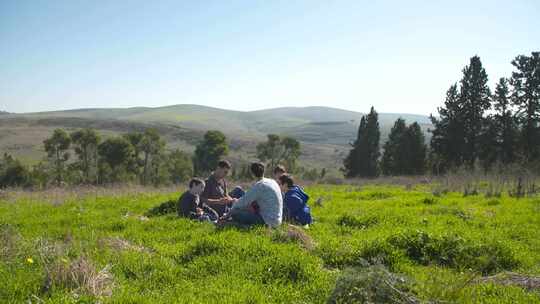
{"x":295,"y":207}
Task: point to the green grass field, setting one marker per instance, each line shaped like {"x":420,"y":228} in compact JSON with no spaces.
{"x":89,"y":248}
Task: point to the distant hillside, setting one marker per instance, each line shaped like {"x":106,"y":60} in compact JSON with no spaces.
{"x":324,"y":131}
{"x":321,"y":122}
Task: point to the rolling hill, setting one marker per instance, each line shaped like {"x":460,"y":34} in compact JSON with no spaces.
{"x":325,"y":132}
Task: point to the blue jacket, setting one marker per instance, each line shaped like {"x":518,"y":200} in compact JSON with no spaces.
{"x":295,"y":205}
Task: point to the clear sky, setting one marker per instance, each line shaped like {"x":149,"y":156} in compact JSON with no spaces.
{"x":400,"y":56}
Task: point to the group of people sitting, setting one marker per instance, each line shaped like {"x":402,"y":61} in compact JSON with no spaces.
{"x":268,"y":201}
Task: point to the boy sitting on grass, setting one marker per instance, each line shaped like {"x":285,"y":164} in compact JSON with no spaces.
{"x":190,"y":206}
{"x":295,"y":207}
{"x":266,"y":193}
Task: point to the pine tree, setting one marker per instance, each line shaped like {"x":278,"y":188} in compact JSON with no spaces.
{"x":506,"y":133}
{"x":448,"y":135}
{"x":392,"y":162}
{"x":405,"y":150}
{"x":414,"y":150}
{"x":489,"y":151}
{"x":475,"y":101}
{"x":525,"y":83}
{"x":352,"y":161}
{"x":363,"y":159}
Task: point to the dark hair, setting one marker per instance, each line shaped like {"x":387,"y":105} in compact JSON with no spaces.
{"x":257,"y":169}
{"x":279,"y":169}
{"x":286,"y":179}
{"x":195,"y":182}
{"x":224,"y":164}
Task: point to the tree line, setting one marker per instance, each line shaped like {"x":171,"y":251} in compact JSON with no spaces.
{"x":474,"y":128}
{"x":85,"y":157}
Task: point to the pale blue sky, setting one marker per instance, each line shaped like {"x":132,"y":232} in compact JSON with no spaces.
{"x":399,"y":56}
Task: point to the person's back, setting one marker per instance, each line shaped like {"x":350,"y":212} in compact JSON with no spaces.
{"x":269,"y":201}
{"x":188,"y":204}
{"x":295,"y":201}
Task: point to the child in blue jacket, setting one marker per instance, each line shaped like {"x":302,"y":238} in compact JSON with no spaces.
{"x":295,"y":208}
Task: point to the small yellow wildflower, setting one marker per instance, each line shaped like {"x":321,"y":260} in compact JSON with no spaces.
{"x":30,"y":261}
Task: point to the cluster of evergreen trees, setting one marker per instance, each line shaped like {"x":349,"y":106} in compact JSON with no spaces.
{"x":404,"y":153}
{"x":474,"y":127}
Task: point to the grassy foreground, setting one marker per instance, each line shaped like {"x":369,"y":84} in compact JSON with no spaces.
{"x":101,"y":248}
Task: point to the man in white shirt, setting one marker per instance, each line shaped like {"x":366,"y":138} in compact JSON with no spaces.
{"x":267,"y":194}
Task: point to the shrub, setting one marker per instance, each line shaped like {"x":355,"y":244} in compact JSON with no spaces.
{"x":378,"y":195}
{"x":493,"y":202}
{"x":338,"y":255}
{"x":379,"y":252}
{"x":13,"y":173}
{"x":454,"y":251}
{"x":285,"y":270}
{"x":373,"y":284}
{"x":429,"y":201}
{"x":489,"y":258}
{"x":357,"y":222}
{"x":164,"y":208}
{"x":203,"y":247}
{"x":372,"y":253}
{"x":294,"y":234}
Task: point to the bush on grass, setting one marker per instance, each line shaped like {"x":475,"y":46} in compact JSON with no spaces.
{"x":164,"y":208}
{"x":372,"y":284}
{"x":454,"y":251}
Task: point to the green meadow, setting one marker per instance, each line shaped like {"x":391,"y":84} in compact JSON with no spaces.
{"x":378,"y":243}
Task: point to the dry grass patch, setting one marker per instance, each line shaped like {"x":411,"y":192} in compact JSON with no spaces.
{"x":120,"y":244}
{"x":9,"y":242}
{"x":79,"y":276}
{"x":59,"y":195}
{"x":294,"y":234}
